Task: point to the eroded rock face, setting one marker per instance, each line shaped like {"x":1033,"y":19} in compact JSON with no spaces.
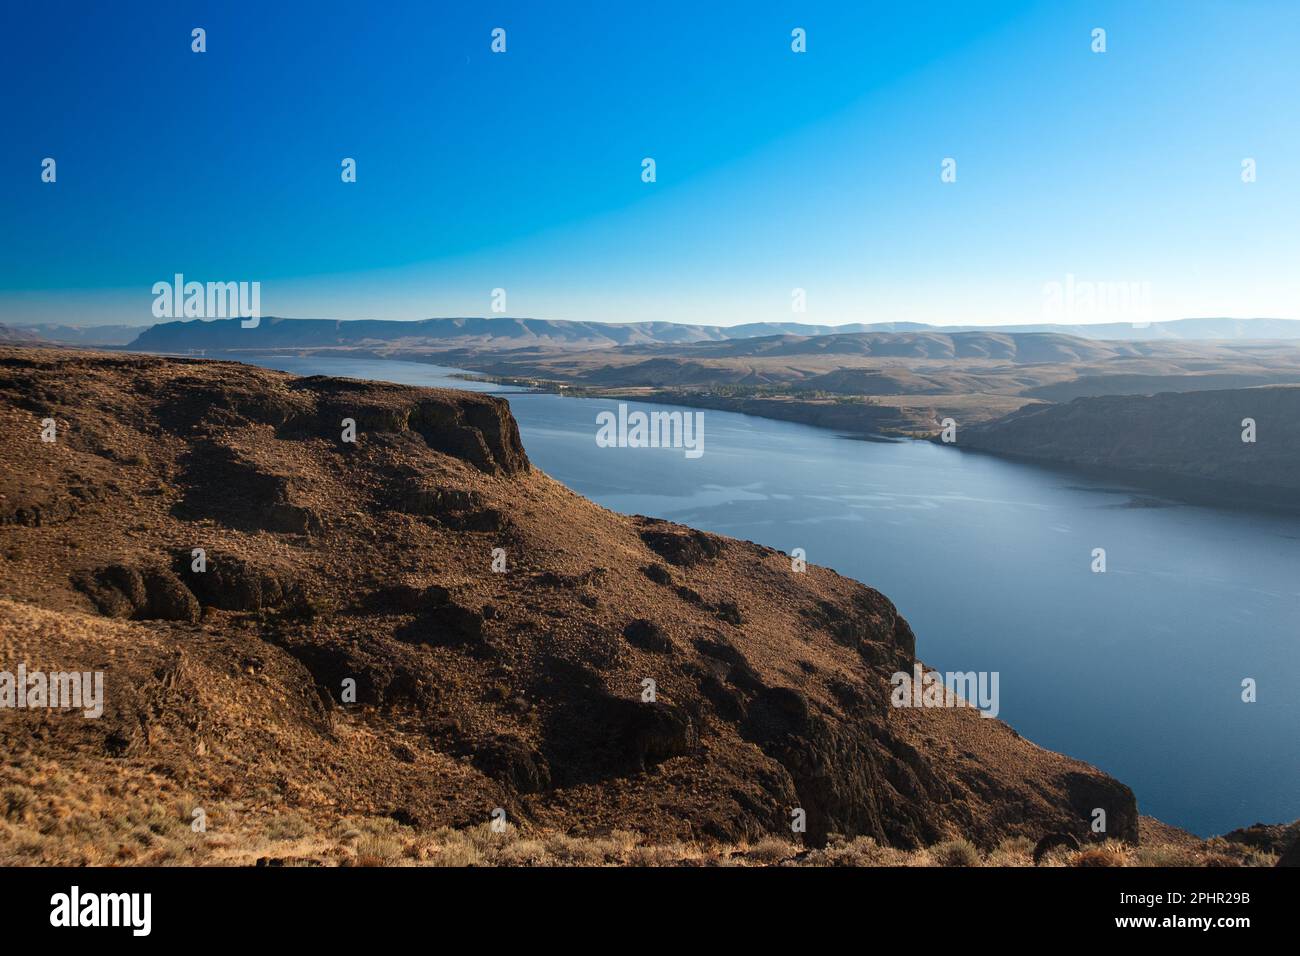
{"x":648,"y":635}
{"x":645,"y":733}
{"x":1291,"y":855}
{"x":512,"y":762}
{"x":446,"y":623}
{"x":116,"y":589}
{"x":681,"y":546}
{"x":454,"y":508}
{"x":121,"y":590}
{"x":167,"y":598}
{"x":475,"y":428}
{"x":232,"y":583}
{"x":1269,"y":838}
{"x":359,"y":649}
{"x":225,"y":485}
{"x":1087,"y":793}
{"x":870,"y":624}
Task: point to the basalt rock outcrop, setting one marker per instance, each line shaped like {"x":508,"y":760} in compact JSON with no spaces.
{"x":419,"y":624}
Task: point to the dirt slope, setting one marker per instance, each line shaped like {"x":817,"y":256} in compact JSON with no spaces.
{"x":329,"y":562}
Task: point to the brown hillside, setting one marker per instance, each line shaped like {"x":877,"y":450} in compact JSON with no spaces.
{"x":329,"y":561}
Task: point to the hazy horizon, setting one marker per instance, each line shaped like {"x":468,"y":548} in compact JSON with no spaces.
{"x":77,"y":323}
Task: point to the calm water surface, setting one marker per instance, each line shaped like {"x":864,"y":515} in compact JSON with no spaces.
{"x":1137,"y":670}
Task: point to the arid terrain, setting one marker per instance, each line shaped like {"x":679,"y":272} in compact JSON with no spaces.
{"x":861,"y":380}
{"x":893,"y":383}
{"x":385,"y":641}
{"x":1164,"y":409}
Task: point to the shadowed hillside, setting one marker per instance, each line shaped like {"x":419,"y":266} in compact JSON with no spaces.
{"x":1191,"y":437}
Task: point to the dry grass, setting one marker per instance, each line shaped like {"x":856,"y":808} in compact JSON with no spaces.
{"x":151,"y":833}
{"x":51,"y":814}
{"x":54,"y":813}
{"x":1017,"y":851}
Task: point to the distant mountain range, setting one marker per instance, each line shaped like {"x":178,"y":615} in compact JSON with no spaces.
{"x":90,"y":336}
{"x":1016,"y":347}
{"x":505,"y":333}
{"x":13,"y":336}
{"x":508,"y":333}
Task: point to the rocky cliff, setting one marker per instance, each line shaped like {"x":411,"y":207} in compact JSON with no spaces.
{"x":419,"y":624}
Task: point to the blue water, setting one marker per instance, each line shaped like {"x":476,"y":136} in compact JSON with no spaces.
{"x":1137,"y":670}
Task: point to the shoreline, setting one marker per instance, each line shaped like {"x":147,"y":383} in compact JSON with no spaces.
{"x":839,"y":417}
{"x":1179,"y":489}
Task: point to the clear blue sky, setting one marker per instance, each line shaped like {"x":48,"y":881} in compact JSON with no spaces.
{"x":775,"y":170}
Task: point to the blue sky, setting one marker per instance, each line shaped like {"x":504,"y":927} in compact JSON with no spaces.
{"x":775,"y":170}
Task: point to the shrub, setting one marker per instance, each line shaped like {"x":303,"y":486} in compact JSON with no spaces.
{"x":1016,"y":851}
{"x":461,"y":853}
{"x":771,"y":850}
{"x":958,"y":852}
{"x":1164,"y":856}
{"x":375,"y":850}
{"x":15,"y":800}
{"x":523,"y":853}
{"x":288,"y":826}
{"x":1109,"y":853}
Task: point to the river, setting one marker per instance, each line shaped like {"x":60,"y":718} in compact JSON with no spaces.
{"x":1137,"y":670}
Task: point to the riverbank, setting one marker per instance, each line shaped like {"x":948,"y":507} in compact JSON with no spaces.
{"x":991,"y":425}
{"x":851,"y":416}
